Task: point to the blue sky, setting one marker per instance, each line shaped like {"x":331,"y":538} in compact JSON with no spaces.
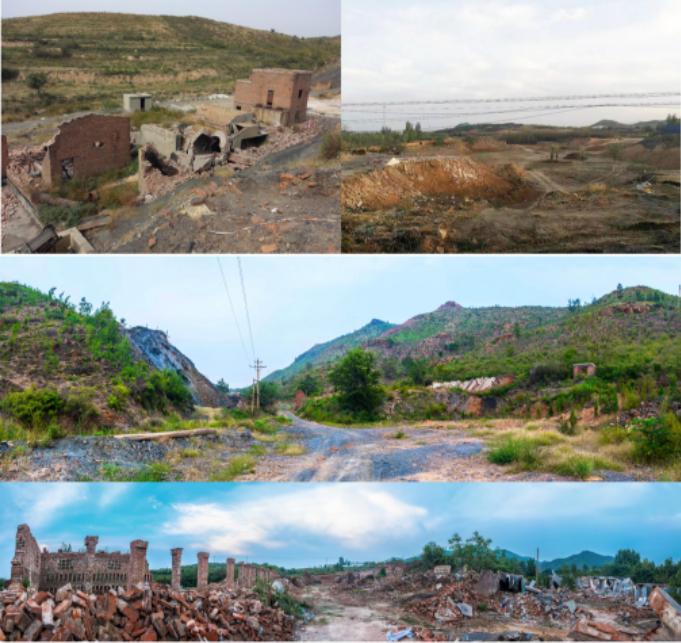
{"x":406,"y":50}
{"x":305,"y":524}
{"x":296,"y":302}
{"x":306,"y":18}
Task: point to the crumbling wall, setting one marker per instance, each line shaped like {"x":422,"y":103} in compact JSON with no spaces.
{"x":165,"y":141}
{"x":139,"y":568}
{"x":276,"y":90}
{"x":176,"y":569}
{"x":93,"y":144}
{"x":88,"y":571}
{"x":230,"y":572}
{"x":583,"y":369}
{"x":27,"y":558}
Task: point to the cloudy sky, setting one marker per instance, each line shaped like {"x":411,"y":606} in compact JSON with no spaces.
{"x":296,"y":302}
{"x":405,"y":50}
{"x":304,"y":18}
{"x":306,"y":524}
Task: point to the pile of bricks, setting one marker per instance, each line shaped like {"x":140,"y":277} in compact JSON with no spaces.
{"x":645,"y":411}
{"x":10,"y":205}
{"x":142,"y":613}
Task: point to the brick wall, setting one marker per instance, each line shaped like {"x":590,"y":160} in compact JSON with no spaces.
{"x":230,"y":572}
{"x":27,"y":558}
{"x":139,"y":569}
{"x":290,"y":91}
{"x":95,"y":142}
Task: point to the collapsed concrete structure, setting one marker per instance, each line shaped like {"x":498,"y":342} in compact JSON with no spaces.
{"x":89,"y":570}
{"x":477,"y":385}
{"x":275,"y":96}
{"x":87,"y":146}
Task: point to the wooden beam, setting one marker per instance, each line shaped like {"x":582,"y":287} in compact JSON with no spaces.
{"x":142,"y":437}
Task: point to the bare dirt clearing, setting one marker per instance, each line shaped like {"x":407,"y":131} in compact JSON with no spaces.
{"x":509,"y":200}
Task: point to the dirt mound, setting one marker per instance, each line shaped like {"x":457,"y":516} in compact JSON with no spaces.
{"x":399,"y":184}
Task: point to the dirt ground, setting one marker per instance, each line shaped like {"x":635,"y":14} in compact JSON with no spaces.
{"x":593,"y":205}
{"x":18,"y":223}
{"x":432,"y":452}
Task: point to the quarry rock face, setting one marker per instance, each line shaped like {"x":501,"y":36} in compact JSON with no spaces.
{"x":153,"y":347}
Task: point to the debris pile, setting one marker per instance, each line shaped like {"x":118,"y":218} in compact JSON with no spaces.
{"x":10,"y":205}
{"x":142,"y":613}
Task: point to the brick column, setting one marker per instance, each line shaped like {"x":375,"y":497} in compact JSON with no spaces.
{"x":248,"y":579}
{"x":202,"y":571}
{"x":242,"y":578}
{"x":230,"y":572}
{"x":177,"y":568}
{"x":138,"y":562}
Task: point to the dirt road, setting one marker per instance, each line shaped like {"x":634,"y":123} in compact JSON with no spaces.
{"x":336,"y":454}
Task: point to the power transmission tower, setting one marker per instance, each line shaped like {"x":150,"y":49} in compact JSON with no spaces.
{"x":258,"y":365}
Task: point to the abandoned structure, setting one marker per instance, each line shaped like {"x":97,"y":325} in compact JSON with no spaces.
{"x":136,"y":102}
{"x":96,"y":572}
{"x":275,"y":96}
{"x":89,"y":570}
{"x":87,"y":146}
{"x":586,"y":370}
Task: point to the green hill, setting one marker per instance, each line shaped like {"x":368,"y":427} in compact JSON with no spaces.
{"x":70,"y":368}
{"x":91,"y":59}
{"x":330,"y":351}
{"x":588,"y":558}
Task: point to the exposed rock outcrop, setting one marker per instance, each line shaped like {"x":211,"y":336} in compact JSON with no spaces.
{"x":154,"y":348}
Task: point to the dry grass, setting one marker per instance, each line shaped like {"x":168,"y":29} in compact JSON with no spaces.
{"x":289,"y":448}
{"x":597,"y":188}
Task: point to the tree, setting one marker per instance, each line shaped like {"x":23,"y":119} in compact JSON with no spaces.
{"x":619,"y":290}
{"x":530,"y":568}
{"x":416,"y":370}
{"x":309,"y":384}
{"x":37,"y":82}
{"x":356,"y":380}
{"x":222,"y":386}
{"x":432,"y":555}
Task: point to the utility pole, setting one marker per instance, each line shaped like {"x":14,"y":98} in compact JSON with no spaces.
{"x":258,"y":365}
{"x":537,"y":569}
{"x":253,"y":398}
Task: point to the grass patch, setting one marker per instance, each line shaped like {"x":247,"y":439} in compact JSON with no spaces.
{"x":238,"y":466}
{"x":289,"y":448}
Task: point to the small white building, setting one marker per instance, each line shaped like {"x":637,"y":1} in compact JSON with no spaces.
{"x":136,"y":102}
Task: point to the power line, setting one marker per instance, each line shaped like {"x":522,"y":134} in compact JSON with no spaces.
{"x":248,"y":317}
{"x":224,"y":281}
{"x":399,"y":116}
{"x":517,"y":100}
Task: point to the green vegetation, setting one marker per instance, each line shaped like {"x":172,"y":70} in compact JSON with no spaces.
{"x":356,"y":380}
{"x":105,"y":55}
{"x":238,"y":466}
{"x":66,"y":341}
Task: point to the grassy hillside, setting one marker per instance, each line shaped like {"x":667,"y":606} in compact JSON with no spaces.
{"x":588,"y":558}
{"x":67,"y":368}
{"x":330,"y":351}
{"x":91,"y":59}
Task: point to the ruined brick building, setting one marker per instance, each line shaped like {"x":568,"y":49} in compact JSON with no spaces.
{"x":91,"y":571}
{"x":87,"y":146}
{"x":276,"y":96}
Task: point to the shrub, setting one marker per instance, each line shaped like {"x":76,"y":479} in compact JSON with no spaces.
{"x":331,"y":146}
{"x":62,"y":215}
{"x":33,"y":407}
{"x":9,"y":74}
{"x":652,"y":439}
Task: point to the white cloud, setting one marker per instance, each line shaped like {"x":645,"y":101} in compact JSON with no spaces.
{"x":569,"y":15}
{"x":111,"y":494}
{"x":45,"y":502}
{"x":357,"y":517}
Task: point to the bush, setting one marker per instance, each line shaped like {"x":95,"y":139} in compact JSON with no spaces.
{"x":356,"y":379}
{"x":58,"y":215}
{"x":524,"y":451}
{"x":652,"y":440}
{"x":9,"y":74}
{"x":33,"y":407}
{"x":331,"y":146}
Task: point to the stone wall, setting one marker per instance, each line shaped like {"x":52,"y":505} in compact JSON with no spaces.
{"x":95,"y":143}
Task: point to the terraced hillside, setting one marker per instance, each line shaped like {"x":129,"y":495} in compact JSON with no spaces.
{"x":70,"y":368}
{"x":91,"y":59}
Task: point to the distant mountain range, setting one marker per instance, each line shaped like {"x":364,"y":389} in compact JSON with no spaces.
{"x":588,"y":558}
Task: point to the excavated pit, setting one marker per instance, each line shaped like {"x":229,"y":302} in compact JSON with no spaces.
{"x":406,"y":182}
